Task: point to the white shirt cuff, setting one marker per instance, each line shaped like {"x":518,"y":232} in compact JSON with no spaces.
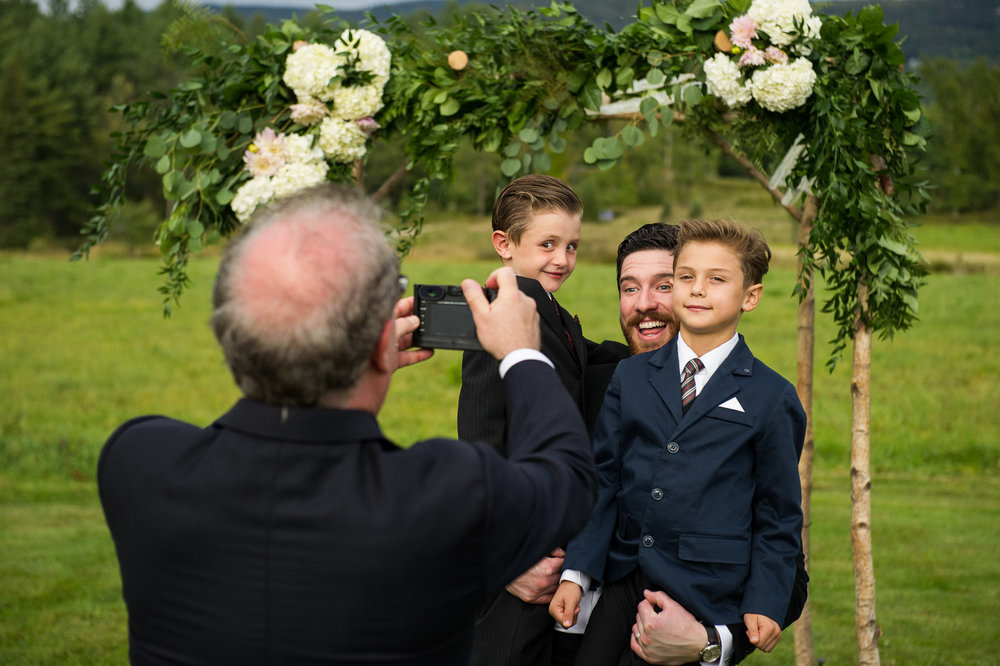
{"x":578,"y":577}
{"x":525,"y":354}
{"x":726,"y":640}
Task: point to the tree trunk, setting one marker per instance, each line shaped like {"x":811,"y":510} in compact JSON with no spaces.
{"x":802,"y":629}
{"x":865,"y":626}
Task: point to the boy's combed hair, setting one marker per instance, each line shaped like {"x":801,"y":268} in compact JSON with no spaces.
{"x":652,"y":236}
{"x":529,"y":196}
{"x":748,"y":244}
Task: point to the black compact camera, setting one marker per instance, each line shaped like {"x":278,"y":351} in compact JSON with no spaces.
{"x":445,"y":318}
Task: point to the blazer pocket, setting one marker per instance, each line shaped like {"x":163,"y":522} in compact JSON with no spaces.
{"x":730,"y":415}
{"x":714,"y":548}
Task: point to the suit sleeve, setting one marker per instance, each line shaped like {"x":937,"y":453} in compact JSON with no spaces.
{"x":482,"y":402}
{"x":543,"y":493}
{"x":777,"y":510}
{"x":588,"y":551}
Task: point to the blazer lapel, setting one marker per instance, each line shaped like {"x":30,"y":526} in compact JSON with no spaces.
{"x":666,"y":379}
{"x":550,"y":317}
{"x":723,"y":385}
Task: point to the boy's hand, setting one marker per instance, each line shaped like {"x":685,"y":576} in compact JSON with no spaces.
{"x":406,"y":323}
{"x":510,"y":322}
{"x":762,"y":631}
{"x":565,"y":605}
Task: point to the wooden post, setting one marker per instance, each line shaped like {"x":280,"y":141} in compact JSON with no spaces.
{"x":865,"y":625}
{"x":802,"y":629}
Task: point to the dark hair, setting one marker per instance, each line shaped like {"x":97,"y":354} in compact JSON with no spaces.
{"x":652,"y":236}
{"x":532,"y":195}
{"x":315,"y":348}
{"x":748,"y":244}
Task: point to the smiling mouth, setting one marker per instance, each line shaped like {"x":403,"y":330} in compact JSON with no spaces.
{"x":651,"y":328}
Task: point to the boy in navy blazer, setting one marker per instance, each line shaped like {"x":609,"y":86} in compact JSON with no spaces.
{"x":700,"y":493}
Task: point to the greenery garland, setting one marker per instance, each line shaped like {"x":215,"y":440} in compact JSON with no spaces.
{"x":766,"y":73}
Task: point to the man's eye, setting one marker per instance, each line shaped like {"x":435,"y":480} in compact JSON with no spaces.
{"x":664,"y":287}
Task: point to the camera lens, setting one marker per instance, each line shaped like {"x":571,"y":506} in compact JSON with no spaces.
{"x":431,"y":292}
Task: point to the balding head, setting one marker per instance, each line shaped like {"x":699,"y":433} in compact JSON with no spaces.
{"x":302,"y":296}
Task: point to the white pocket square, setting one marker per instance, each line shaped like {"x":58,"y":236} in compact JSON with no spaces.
{"x":733,"y":404}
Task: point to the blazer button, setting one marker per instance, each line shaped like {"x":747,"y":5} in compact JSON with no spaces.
{"x":657,"y":494}
{"x":673,"y":447}
{"x":647,"y":541}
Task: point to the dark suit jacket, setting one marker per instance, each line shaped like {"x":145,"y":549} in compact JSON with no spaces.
{"x":482,"y":410}
{"x":707,"y":503}
{"x":287,"y":536}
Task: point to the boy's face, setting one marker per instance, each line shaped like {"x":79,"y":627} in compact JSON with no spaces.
{"x":709,"y":296}
{"x":546,"y":251}
{"x":645,"y":300}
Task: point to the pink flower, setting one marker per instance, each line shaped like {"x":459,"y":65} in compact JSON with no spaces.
{"x":367,"y":125}
{"x":775,"y":55}
{"x":753,"y":57}
{"x":266,"y":154}
{"x":742,"y":31}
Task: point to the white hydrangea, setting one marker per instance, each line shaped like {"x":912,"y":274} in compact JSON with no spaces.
{"x":782,"y":87}
{"x":298,"y":175}
{"x":341,"y":140}
{"x":353,"y":102}
{"x":300,"y":149}
{"x":308,"y":72}
{"x":251,"y":194}
{"x":724,"y":80}
{"x":777,"y":19}
{"x":373,"y":54}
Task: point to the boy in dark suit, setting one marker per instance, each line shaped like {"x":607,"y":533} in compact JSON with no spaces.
{"x":699,"y":498}
{"x":536,"y":231}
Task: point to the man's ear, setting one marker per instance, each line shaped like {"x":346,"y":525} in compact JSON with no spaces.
{"x":383,"y":357}
{"x":502,"y":244}
{"x":752,"y":297}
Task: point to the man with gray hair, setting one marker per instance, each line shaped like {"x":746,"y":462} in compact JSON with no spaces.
{"x":291,"y":530}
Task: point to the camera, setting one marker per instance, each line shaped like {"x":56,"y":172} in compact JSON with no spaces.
{"x":445,"y":317}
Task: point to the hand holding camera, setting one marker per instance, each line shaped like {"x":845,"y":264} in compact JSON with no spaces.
{"x":510,"y":322}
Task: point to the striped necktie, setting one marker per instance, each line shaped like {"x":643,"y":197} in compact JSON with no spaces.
{"x":688,"y":388}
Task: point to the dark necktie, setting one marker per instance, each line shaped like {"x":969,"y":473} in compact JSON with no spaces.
{"x":569,"y":338}
{"x":688,"y":388}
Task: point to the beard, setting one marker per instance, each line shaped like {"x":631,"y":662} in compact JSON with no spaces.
{"x":638,"y":345}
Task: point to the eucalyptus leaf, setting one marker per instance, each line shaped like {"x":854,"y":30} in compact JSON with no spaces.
{"x":510,"y":166}
{"x":528,"y":135}
{"x":155,"y":147}
{"x":190,"y":138}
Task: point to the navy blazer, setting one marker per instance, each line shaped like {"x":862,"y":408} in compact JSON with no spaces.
{"x":284,"y":536}
{"x":706,"y":503}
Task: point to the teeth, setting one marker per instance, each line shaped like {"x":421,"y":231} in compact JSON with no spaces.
{"x":650,"y":324}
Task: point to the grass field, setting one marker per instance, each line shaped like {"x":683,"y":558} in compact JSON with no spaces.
{"x":84,"y":347}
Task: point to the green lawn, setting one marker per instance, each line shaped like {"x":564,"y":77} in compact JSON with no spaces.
{"x":84,"y":347}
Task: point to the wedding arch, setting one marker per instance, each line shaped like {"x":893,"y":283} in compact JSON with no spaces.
{"x":258,"y":119}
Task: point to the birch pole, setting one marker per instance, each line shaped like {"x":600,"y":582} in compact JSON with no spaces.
{"x":865,"y":626}
{"x":802,"y":629}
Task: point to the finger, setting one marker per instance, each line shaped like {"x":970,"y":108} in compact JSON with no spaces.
{"x":500,"y":277}
{"x":475,"y":297}
{"x":406,"y":358}
{"x":558,"y":552}
{"x":405,"y":326}
{"x":403,"y":307}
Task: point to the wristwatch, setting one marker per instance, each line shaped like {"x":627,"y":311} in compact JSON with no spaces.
{"x":713,"y":649}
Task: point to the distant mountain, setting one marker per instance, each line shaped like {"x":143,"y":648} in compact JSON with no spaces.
{"x":959,"y":29}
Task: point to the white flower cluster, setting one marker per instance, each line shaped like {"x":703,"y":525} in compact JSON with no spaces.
{"x":777,"y":18}
{"x":764,"y":71}
{"x":340,"y":114}
{"x":316,"y":74}
{"x":292,"y":163}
